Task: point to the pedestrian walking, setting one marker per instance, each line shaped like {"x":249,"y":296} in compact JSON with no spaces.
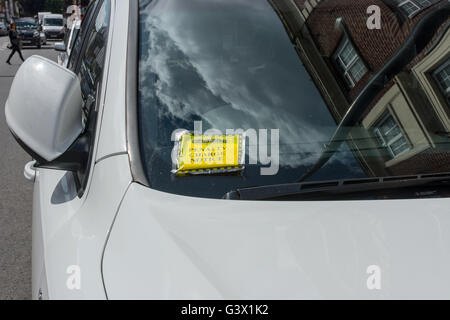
{"x":15,"y":42}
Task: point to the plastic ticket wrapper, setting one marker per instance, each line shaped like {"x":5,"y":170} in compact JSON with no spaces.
{"x":208,"y":154}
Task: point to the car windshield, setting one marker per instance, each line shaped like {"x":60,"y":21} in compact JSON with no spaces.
{"x":325,"y":90}
{"x":53,"y":22}
{"x":23,"y":25}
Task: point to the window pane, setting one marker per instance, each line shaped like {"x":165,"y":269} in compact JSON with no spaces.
{"x":79,"y":39}
{"x":423,"y":3}
{"x":390,"y":136}
{"x":387,"y":126}
{"x":358,"y":70}
{"x":74,"y":36}
{"x":410,"y":8}
{"x":351,"y":65}
{"x":399,"y":146}
{"x":443,"y":77}
{"x":347,"y":54}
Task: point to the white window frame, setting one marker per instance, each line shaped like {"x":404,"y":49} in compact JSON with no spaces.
{"x":345,"y":68}
{"x":388,"y":143}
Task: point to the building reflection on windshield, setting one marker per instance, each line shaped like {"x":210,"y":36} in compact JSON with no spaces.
{"x":405,"y":128}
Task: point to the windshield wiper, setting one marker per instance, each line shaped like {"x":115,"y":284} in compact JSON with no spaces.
{"x":415,"y":43}
{"x":386,"y":187}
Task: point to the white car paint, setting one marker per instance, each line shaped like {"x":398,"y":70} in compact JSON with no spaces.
{"x":112,"y":137}
{"x":159,"y":245}
{"x":69,"y":231}
{"x":59,"y":115}
{"x":165,"y":246}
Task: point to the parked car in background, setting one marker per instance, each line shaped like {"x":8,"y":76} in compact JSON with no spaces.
{"x":53,"y":26}
{"x":65,"y":48}
{"x":28,"y":29}
{"x":3,"y":29}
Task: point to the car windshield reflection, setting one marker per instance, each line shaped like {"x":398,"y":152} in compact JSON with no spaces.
{"x":351,"y":98}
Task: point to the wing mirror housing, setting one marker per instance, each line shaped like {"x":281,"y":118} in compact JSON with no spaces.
{"x":60,"y":46}
{"x":44,"y":114}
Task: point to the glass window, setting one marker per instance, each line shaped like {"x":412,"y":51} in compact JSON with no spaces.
{"x":442,"y":76}
{"x":66,"y":39}
{"x":53,"y":22}
{"x":74,"y":36}
{"x":26,"y":24}
{"x":424,"y":3}
{"x":411,"y":7}
{"x":93,"y":59}
{"x":256,"y":67}
{"x":90,"y":71}
{"x":391,"y":137}
{"x":81,"y":36}
{"x":350,"y":63}
{"x":229,"y":65}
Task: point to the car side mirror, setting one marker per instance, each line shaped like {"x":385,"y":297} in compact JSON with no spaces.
{"x":60,"y":46}
{"x":44,"y":113}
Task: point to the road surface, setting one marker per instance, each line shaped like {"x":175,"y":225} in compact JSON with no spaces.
{"x":15,"y":191}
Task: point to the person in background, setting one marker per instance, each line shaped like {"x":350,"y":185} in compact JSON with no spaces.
{"x":15,"y":42}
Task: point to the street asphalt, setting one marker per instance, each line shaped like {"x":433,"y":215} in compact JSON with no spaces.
{"x":15,"y":192}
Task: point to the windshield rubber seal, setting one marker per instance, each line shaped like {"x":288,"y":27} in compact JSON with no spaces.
{"x":132,"y":110}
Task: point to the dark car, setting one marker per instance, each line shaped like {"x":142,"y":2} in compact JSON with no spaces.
{"x":29,"y":32}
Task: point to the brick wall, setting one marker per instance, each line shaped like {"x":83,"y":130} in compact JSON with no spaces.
{"x":375,"y":46}
{"x":428,"y":161}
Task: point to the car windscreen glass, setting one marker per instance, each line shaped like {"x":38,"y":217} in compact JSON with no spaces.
{"x":53,"y":22}
{"x":327,"y":91}
{"x":23,"y":25}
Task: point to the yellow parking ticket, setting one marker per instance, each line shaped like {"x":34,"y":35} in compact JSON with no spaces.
{"x":209,"y":154}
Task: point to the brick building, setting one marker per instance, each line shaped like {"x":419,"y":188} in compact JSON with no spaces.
{"x":405,"y":129}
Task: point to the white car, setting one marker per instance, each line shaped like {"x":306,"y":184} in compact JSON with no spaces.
{"x":53,"y":26}
{"x":65,"y":48}
{"x":131,"y":200}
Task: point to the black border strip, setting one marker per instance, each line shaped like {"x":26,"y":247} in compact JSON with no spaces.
{"x":132,"y":111}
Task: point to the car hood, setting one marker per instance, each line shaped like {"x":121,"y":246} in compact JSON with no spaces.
{"x":164,"y":246}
